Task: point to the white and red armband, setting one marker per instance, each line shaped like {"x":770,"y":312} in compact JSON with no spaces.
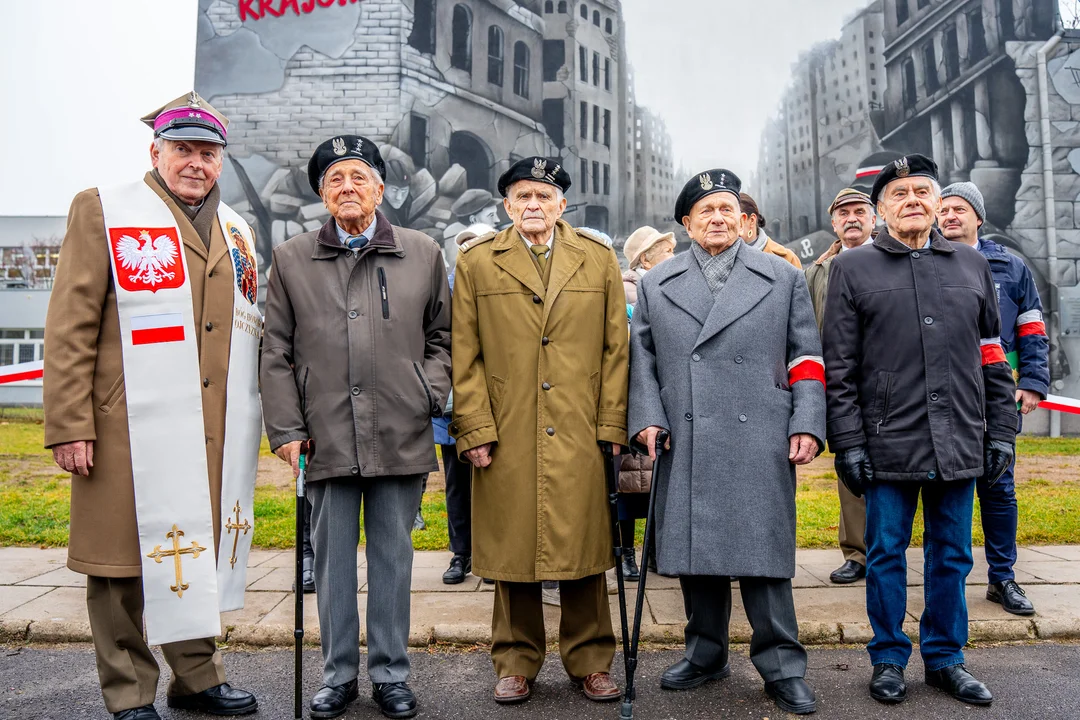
{"x":992,"y":352}
{"x":1030,"y":323}
{"x":806,"y":367}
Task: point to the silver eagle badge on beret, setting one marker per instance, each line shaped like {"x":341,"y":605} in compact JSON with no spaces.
{"x":706,"y":181}
{"x":339,"y":146}
{"x":903,"y":169}
{"x":539,"y":168}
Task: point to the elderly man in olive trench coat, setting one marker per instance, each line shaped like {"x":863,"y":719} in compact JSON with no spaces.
{"x":725,"y":356}
{"x":540,"y":370}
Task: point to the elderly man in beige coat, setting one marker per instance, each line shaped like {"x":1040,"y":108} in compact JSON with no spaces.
{"x":86,"y":411}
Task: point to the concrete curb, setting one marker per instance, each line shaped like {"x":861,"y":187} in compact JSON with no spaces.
{"x":462,"y":634}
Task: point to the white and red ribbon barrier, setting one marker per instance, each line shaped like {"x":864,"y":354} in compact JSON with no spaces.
{"x":1061,"y":404}
{"x":21,"y":372}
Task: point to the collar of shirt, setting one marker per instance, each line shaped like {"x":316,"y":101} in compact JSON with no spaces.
{"x":369,"y":231}
{"x":867,"y":241}
{"x":549,"y":242}
{"x":928,"y":239}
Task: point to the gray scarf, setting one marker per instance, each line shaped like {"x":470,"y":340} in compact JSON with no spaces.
{"x":202,"y":217}
{"x":716,"y":268}
{"x":760,"y":240}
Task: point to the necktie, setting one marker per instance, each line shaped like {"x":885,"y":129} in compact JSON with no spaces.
{"x":540,"y":251}
{"x":357,"y":241}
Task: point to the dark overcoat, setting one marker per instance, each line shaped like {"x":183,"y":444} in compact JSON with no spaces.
{"x":714,"y":372}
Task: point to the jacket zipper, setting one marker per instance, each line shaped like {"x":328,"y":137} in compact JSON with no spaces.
{"x":885,"y":403}
{"x":303,"y":393}
{"x":385,"y":297}
{"x":427,"y":390}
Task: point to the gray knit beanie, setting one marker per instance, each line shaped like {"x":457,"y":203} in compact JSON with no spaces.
{"x":970,"y":192}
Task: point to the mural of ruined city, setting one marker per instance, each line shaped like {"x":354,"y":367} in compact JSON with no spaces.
{"x":456,"y":90}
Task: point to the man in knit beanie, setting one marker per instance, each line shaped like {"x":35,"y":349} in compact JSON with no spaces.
{"x":1023,"y":337}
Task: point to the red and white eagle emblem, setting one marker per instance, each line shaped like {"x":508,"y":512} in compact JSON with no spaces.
{"x":147,"y":258}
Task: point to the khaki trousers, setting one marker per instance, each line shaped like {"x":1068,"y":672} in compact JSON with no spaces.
{"x":852,"y":525}
{"x":586,"y":638}
{"x":127,"y":671}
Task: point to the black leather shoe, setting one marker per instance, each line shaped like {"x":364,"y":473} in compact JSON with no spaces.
{"x":396,"y":700}
{"x":146,"y":712}
{"x":460,"y":566}
{"x":792,"y":695}
{"x":685,"y":675}
{"x":959,"y":683}
{"x":849,"y":572}
{"x":333,"y":700}
{"x":218,"y":700}
{"x":887,"y":685}
{"x":1011,"y":597}
{"x":630,"y":570}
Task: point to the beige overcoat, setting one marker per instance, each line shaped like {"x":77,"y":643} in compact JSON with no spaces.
{"x":542,"y":372}
{"x":84,"y":379}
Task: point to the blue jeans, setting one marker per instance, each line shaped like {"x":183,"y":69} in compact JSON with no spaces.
{"x":999,"y":520}
{"x":943,"y":628}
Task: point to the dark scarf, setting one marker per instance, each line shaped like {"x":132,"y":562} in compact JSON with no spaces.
{"x":202,"y":218}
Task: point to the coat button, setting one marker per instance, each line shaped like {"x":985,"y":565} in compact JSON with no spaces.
{"x":352,"y":314}
{"x":742,"y":418}
{"x":544,"y":341}
{"x":209,"y":326}
{"x":915,"y":254}
{"x":931,"y":475}
{"x":738,"y":359}
{"x":356,"y":391}
{"x":210,"y":274}
{"x":928,"y":320}
{"x":355,"y":470}
{"x":551,"y":431}
{"x":536,"y":299}
{"x":453,"y":428}
{"x":696,"y":357}
{"x":934,"y":396}
{"x":206,"y":382}
{"x":689,"y":416}
{"x":546,"y":386}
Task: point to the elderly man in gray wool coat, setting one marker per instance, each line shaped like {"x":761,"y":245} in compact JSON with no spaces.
{"x":725,"y":356}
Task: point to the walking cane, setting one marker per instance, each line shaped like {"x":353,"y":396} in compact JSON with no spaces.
{"x":298,"y":588}
{"x":630,"y":648}
{"x":616,"y":539}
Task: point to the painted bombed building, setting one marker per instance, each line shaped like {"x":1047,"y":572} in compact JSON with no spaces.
{"x":451,"y":90}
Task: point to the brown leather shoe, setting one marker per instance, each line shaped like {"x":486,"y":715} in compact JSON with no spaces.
{"x":599,"y":687}
{"x":511,"y":689}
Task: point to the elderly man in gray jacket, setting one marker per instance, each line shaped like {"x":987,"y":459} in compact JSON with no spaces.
{"x":356,"y":355}
{"x":725,"y":356}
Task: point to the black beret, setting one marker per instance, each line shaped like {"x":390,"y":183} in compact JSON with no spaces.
{"x":344,"y":147}
{"x":907,"y":166}
{"x":706,"y":183}
{"x":537,"y":169}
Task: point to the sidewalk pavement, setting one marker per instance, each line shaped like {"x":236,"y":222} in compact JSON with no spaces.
{"x":42,"y":601}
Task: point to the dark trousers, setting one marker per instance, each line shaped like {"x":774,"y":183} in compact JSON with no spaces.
{"x":943,"y":628}
{"x":127,"y":670}
{"x":458,"y":500}
{"x":631,"y":507}
{"x":309,"y":551}
{"x":775,"y":649}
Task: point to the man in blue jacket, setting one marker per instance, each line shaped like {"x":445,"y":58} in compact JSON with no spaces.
{"x":1023,"y":336}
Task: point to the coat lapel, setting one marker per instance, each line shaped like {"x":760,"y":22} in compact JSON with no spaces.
{"x":513,"y":257}
{"x":750,"y":281}
{"x":686,"y":286}
{"x":567,"y":256}
{"x":188,"y":236}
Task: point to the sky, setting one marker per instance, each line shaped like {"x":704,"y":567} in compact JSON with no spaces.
{"x":86,"y":71}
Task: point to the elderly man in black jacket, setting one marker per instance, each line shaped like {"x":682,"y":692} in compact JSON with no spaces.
{"x":920,"y":399}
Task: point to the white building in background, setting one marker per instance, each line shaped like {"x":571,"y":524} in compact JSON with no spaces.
{"x":29,"y":250}
{"x":654,"y":167}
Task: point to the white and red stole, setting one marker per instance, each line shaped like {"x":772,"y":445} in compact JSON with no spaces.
{"x":184,"y":585}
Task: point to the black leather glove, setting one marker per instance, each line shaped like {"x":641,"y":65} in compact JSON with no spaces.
{"x":854,"y":469}
{"x":997,"y":457}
